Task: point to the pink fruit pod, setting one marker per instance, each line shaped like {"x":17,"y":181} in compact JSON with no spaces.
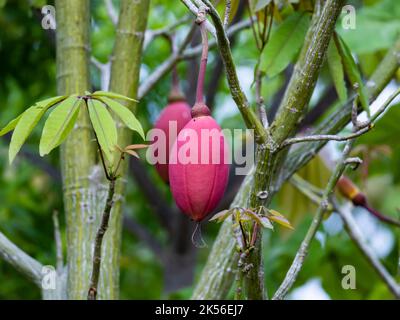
{"x":199,"y":169}
{"x":171,"y":120}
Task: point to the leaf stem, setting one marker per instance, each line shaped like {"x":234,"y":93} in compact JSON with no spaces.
{"x":203,"y":63}
{"x":111,"y":177}
{"x":103,"y":162}
{"x":252,"y":26}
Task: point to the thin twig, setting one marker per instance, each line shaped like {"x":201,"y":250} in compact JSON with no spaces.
{"x":301,"y":254}
{"x":319,"y":137}
{"x":150,"y":35}
{"x":358,"y":239}
{"x":182,"y":54}
{"x":204,"y":56}
{"x":166,"y":66}
{"x":354,"y":112}
{"x":94,"y":280}
{"x":252,"y":26}
{"x":382,"y":217}
{"x":111,"y":177}
{"x":337,"y":121}
{"x":271,"y":19}
{"x":194,"y":9}
{"x":249,"y":116}
{"x":385,"y":105}
{"x":362,"y":127}
{"x":218,"y":69}
{"x":20,"y":260}
{"x":298,"y":261}
{"x":262,"y":113}
{"x":232,"y":30}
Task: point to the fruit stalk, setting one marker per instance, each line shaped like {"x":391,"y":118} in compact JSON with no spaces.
{"x":201,"y":18}
{"x":198,"y":186}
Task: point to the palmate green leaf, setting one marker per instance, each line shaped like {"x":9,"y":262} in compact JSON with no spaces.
{"x":127,"y":117}
{"x":59,"y":124}
{"x":284,"y":44}
{"x":112,"y":95}
{"x":336,"y":70}
{"x":104,"y":127}
{"x":27,"y":121}
{"x":47,"y":103}
{"x":352,"y":71}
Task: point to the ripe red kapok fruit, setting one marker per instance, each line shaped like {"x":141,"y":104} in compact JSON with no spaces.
{"x":176,"y":114}
{"x":198,"y":169}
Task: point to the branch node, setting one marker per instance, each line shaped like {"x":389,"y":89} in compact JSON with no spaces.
{"x":201,"y":14}
{"x":262,"y":195}
{"x":354,"y":162}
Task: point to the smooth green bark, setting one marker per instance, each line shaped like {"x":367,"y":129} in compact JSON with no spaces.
{"x":78,"y":154}
{"x":293,"y":106}
{"x":85,"y":189}
{"x":125,"y":70}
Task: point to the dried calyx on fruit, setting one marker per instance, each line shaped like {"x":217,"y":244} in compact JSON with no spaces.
{"x":198,"y":185}
{"x":174,"y":116}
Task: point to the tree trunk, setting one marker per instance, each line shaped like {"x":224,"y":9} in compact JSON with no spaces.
{"x":83,"y":179}
{"x":78,"y":153}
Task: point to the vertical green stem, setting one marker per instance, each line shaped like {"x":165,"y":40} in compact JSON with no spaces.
{"x":295,"y":101}
{"x":78,"y":156}
{"x":125,"y":68}
{"x":203,"y":63}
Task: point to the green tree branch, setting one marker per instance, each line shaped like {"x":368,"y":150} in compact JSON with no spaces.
{"x":78,"y":155}
{"x":217,"y":275}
